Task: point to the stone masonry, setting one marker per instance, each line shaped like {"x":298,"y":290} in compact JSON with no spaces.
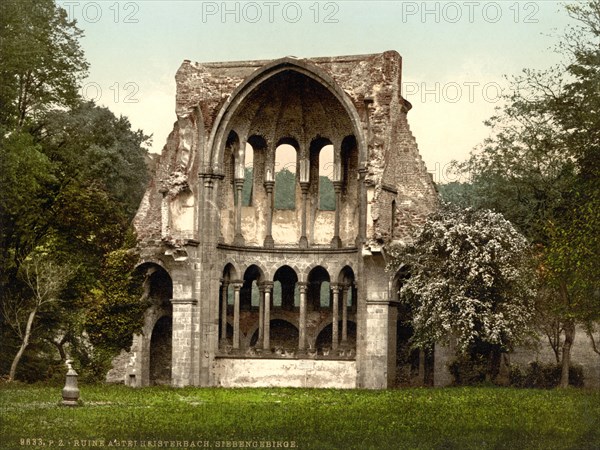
{"x":250,"y":294}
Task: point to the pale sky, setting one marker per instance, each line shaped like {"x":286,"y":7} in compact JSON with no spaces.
{"x":454,"y":53}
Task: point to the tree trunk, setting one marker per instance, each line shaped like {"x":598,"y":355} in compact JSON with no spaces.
{"x":493,"y":364}
{"x":24,"y":344}
{"x":421,"y":367}
{"x":60,"y":347}
{"x":566,"y":353}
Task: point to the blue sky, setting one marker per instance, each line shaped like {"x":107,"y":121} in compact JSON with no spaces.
{"x":454,"y":53}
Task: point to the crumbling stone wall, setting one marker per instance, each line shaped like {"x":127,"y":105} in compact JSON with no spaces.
{"x":188,"y":217}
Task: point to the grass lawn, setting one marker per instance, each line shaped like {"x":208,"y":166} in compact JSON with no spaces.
{"x":459,"y":418}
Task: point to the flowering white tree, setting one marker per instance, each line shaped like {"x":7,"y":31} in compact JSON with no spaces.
{"x":470,"y":280}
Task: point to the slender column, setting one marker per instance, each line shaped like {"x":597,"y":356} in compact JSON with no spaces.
{"x":239,"y":238}
{"x":344,"y":301}
{"x":268,"y":286}
{"x":336,"y":242}
{"x":224,"y":290}
{"x":303,"y":239}
{"x":362,"y":211}
{"x":236,"y":314}
{"x":335,"y":307}
{"x":302,"y":286}
{"x":269,"y":183}
{"x":238,"y":181}
{"x":304,"y":185}
{"x":261,"y":317}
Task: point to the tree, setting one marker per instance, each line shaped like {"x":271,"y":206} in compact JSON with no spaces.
{"x":540,"y":168}
{"x":469,"y":280}
{"x":285,"y":189}
{"x":90,"y":143}
{"x":71,"y":173}
{"x":42,"y":62}
{"x":113,"y":311}
{"x":45,"y":279}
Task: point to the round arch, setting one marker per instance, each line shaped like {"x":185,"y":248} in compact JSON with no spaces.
{"x":217,"y":136}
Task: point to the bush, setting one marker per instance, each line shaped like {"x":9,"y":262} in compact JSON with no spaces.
{"x":543,"y":376}
{"x":469,"y":370}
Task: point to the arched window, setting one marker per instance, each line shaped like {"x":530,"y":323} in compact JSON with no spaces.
{"x":326,"y":192}
{"x":249,"y":293}
{"x":285,"y":176}
{"x":285,"y":289}
{"x":248,"y":175}
{"x":319,"y":289}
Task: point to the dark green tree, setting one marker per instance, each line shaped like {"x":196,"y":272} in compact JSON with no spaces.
{"x":285,"y":189}
{"x":42,"y":61}
{"x":541,"y":167}
{"x":72,"y":175}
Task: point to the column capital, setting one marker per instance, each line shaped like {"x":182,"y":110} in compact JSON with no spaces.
{"x":224,"y":282}
{"x":266,"y":286}
{"x":237,"y":284}
{"x":304,"y":185}
{"x":302,"y":286}
{"x":336,"y":287}
{"x":269,"y":186}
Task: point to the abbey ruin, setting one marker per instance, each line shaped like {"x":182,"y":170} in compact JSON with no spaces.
{"x":247,"y":290}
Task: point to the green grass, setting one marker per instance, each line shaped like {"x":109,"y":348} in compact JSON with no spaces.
{"x":454,"y":418}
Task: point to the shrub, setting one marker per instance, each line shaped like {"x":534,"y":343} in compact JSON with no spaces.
{"x":543,"y":375}
{"x":468,"y":370}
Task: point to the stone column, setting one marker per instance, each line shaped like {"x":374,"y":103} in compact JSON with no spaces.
{"x":269,"y":183}
{"x":261,"y":315}
{"x":362,"y":210}
{"x":237,"y":285}
{"x":239,"y":176}
{"x":182,"y":356}
{"x":224,"y":292}
{"x":302,"y":286}
{"x":336,"y":242}
{"x":335,"y":309}
{"x":344,"y":302}
{"x":239,"y":237}
{"x":268,"y":286}
{"x":304,"y":185}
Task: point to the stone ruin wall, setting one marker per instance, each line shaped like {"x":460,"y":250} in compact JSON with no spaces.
{"x":395,"y":171}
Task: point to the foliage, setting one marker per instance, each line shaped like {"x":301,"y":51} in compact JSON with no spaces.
{"x":469,"y":280}
{"x":45,"y":280}
{"x":42,"y":62}
{"x":247,"y":189}
{"x":326,"y":194}
{"x":315,"y":419}
{"x":114,"y":311}
{"x":544,"y":376}
{"x":285,"y":189}
{"x":89,"y":142}
{"x":72,"y":175}
{"x":25,"y":174}
{"x":540,"y":168}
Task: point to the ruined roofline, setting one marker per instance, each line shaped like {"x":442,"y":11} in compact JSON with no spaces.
{"x":262,"y":62}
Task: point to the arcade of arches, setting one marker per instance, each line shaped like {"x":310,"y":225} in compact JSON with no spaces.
{"x":315,"y":318}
